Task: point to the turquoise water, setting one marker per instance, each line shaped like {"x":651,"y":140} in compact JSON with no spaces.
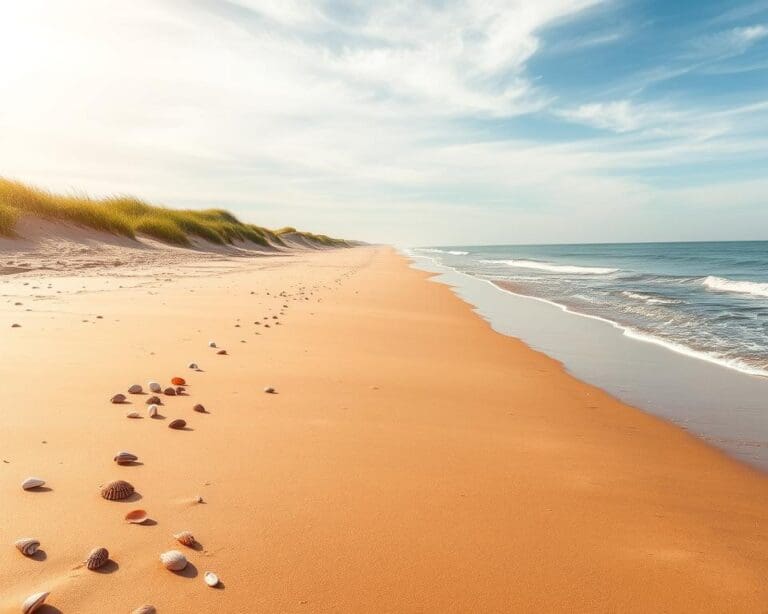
{"x":706,"y":300}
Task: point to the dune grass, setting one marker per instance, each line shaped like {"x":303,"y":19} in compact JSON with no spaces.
{"x":128,"y":216}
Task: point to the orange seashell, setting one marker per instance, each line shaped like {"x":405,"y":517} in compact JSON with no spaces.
{"x":136,"y":516}
{"x":178,"y":381}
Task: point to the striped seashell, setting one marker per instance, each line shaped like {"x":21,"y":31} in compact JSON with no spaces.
{"x":269,"y":390}
{"x":152,"y":411}
{"x":178,"y":381}
{"x":193,"y":365}
{"x":199,"y":408}
{"x":135,"y":389}
{"x":177,"y":424}
{"x":154,"y":387}
{"x":117,"y":490}
{"x":145,"y":609}
{"x":153,"y":401}
{"x":118,"y":398}
{"x":133,"y":414}
{"x":170,"y":391}
{"x":222,"y":352}
{"x":211,"y":579}
{"x":173,"y":560}
{"x":97,"y":558}
{"x":31,"y":483}
{"x":27,"y":545}
{"x":136,"y":516}
{"x":211,"y":344}
{"x":124,"y":458}
{"x":33,"y":602}
{"x":186,"y":538}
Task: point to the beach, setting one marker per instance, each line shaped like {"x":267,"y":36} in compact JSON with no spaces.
{"x":411,"y":459}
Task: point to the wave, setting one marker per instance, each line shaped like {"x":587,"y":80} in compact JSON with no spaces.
{"x":735,"y":364}
{"x":650,"y":299}
{"x":452,"y":252}
{"x":554,"y":268}
{"x":722,"y":284}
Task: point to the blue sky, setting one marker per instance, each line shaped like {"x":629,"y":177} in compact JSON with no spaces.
{"x":417,"y":123}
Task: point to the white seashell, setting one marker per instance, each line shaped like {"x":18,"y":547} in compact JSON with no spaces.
{"x":33,"y":602}
{"x":27,"y":545}
{"x":133,"y":414}
{"x":152,"y":411}
{"x":154,"y":386}
{"x":173,"y":560}
{"x":135,"y":389}
{"x":145,"y":609}
{"x":269,"y":390}
{"x":192,"y":365}
{"x":124,"y":458}
{"x":211,"y":344}
{"x":31,"y":483}
{"x":210,"y":578}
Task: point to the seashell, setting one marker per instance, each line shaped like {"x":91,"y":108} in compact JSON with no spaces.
{"x":210,"y":578}
{"x":133,"y":414}
{"x":177,"y":424}
{"x":27,"y":545}
{"x":145,"y":609}
{"x":186,"y":538}
{"x":222,"y":352}
{"x":97,"y":558}
{"x":154,"y":387}
{"x":136,"y":516}
{"x":152,"y":411}
{"x":199,"y":408}
{"x":173,"y":560}
{"x":180,"y":390}
{"x":269,"y":390}
{"x":118,"y":398}
{"x":211,"y":344}
{"x":171,"y":392}
{"x":178,"y":381}
{"x":135,"y":389}
{"x":119,"y":489}
{"x":153,"y":401}
{"x":193,"y":365}
{"x":33,"y":602}
{"x":31,"y":483}
{"x":123,"y":458}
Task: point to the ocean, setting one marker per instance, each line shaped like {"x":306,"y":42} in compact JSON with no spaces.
{"x":708,"y":300}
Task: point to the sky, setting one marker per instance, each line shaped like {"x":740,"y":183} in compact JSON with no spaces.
{"x":416,"y":123}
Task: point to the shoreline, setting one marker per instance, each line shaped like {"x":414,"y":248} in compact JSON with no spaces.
{"x":726,"y":411}
{"x":413,"y":459}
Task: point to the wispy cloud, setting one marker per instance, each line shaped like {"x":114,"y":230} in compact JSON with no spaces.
{"x":353,"y":118}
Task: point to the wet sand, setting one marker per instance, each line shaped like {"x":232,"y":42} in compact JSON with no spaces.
{"x":412,"y":460}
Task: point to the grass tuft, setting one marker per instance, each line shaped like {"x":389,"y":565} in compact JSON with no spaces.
{"x":128,"y":216}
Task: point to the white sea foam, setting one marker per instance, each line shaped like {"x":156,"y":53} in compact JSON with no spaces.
{"x":554,"y":268}
{"x":431,"y":250}
{"x":651,"y":300}
{"x":721,"y":284}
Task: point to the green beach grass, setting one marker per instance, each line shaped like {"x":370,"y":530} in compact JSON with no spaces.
{"x":129,"y":217}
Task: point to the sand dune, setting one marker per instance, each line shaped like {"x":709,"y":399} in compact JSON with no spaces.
{"x":411,"y":460}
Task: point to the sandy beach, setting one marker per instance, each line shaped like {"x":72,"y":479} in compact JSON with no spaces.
{"x":411,"y":460}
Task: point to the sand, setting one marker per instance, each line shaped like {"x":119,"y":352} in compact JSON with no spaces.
{"x":411,"y":460}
